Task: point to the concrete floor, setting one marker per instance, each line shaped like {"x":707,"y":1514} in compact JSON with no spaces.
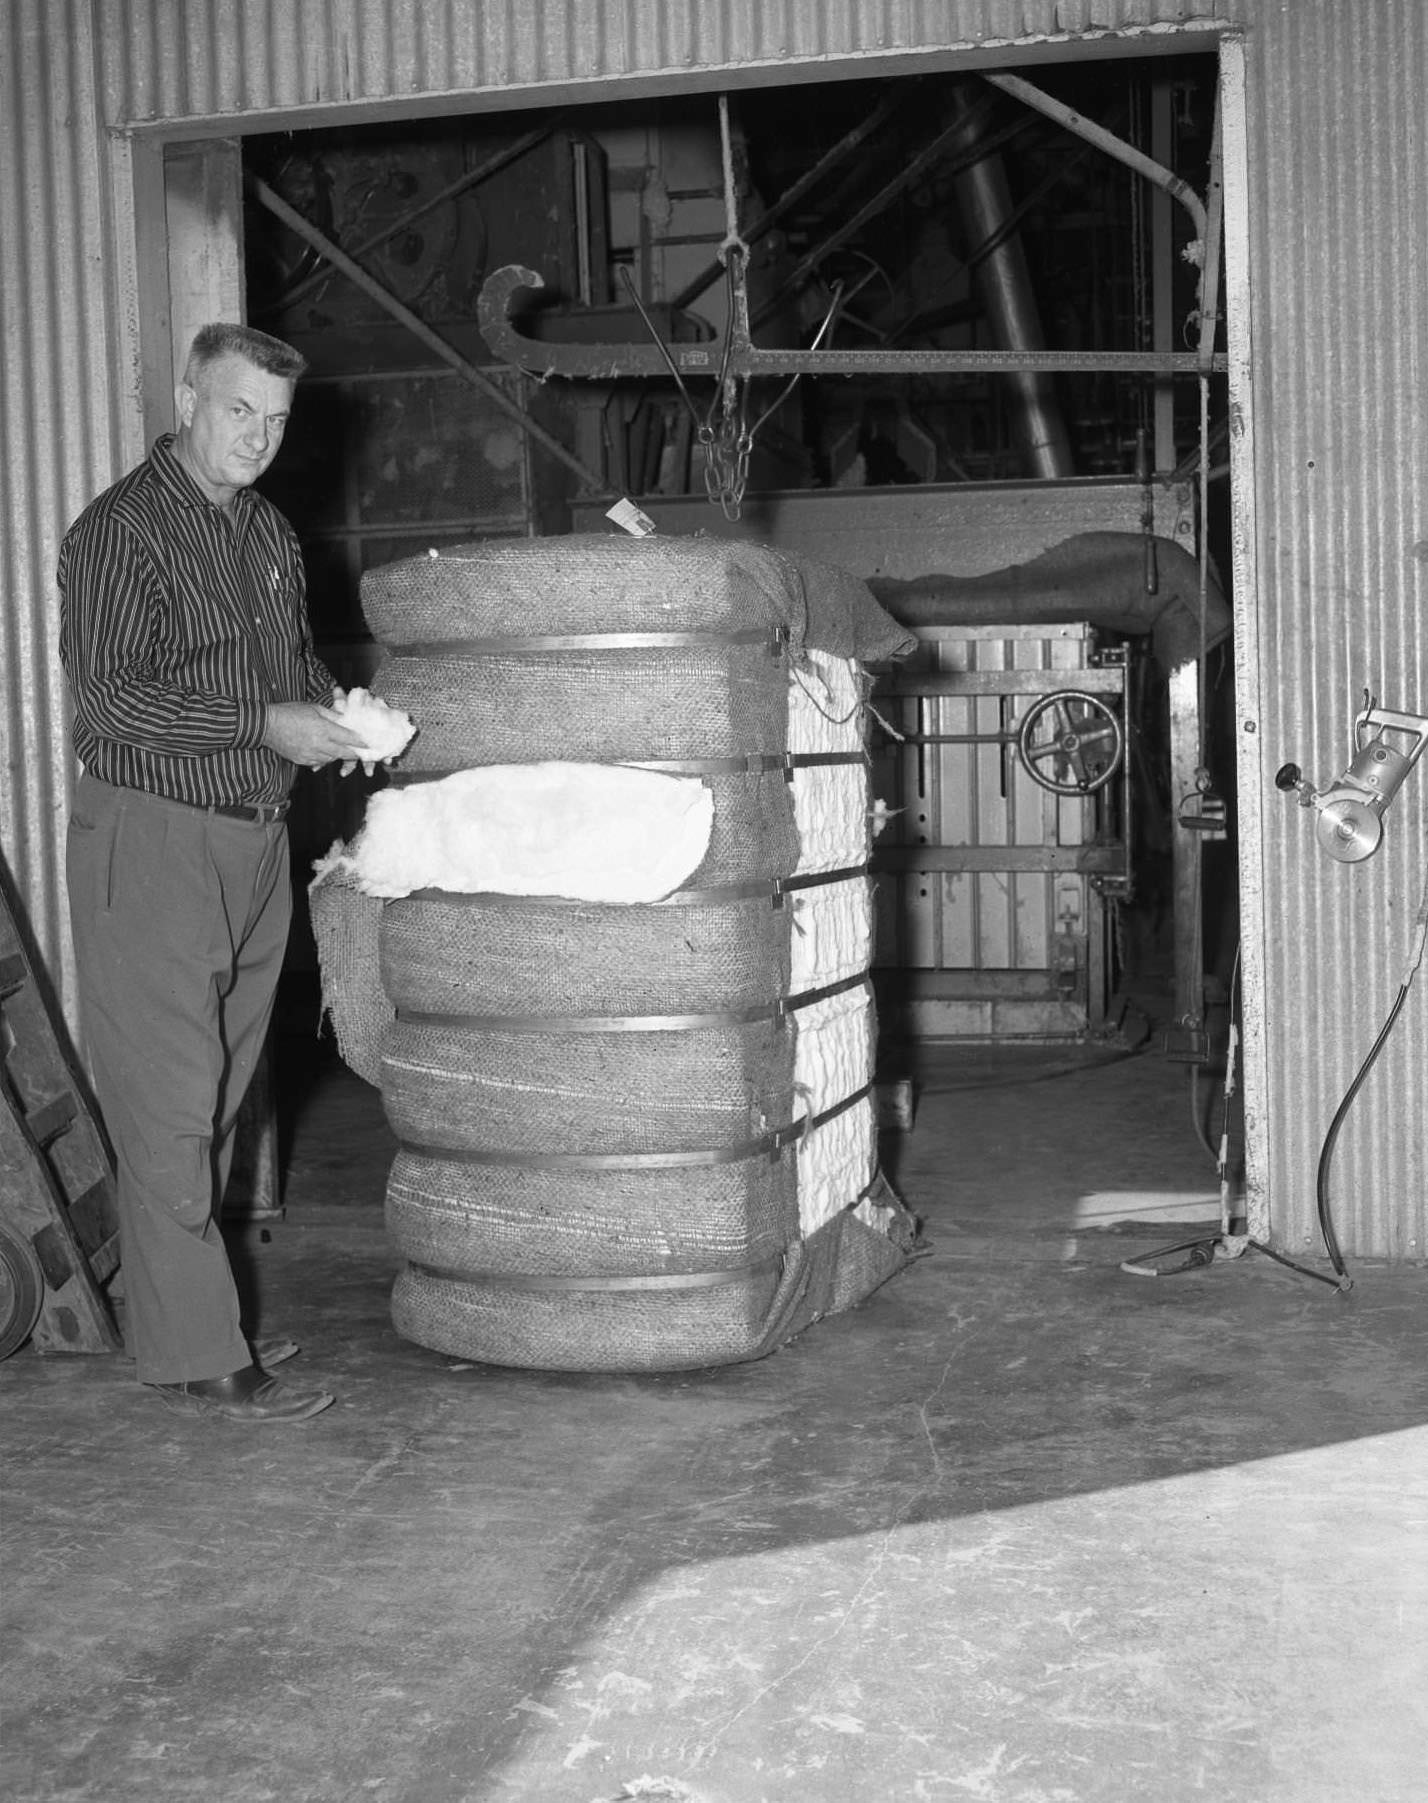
{"x":1022,"y":1528}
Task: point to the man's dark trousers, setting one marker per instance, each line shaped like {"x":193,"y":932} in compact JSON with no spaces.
{"x":180,"y":921}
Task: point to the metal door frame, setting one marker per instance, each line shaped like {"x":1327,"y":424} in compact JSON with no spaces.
{"x":174,"y":270}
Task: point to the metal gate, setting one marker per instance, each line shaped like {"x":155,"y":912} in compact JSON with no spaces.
{"x":996,"y":913}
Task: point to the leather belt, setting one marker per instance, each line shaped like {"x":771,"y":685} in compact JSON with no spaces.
{"x":256,"y":813}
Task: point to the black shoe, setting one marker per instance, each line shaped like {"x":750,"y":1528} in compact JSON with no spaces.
{"x":246,"y":1395}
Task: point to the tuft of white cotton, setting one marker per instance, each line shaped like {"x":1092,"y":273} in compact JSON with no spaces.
{"x":589,"y":832}
{"x":386,"y":731}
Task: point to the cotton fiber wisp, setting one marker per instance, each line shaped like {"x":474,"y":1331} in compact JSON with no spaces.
{"x":386,"y":731}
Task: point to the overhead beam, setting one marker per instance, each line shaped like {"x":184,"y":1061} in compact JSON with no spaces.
{"x":609,"y":362}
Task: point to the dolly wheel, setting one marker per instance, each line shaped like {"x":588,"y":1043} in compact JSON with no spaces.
{"x":22,"y":1290}
{"x":1071,"y":743}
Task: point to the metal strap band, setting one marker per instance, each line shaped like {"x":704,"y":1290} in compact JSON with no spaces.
{"x":756,"y":764}
{"x":664,"y":1280}
{"x":777,"y":1010}
{"x":774,"y":637}
{"x":767,"y":1145}
{"x":770,"y":889}
{"x":775,"y":888}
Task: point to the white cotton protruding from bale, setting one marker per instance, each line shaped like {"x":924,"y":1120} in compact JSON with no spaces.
{"x":832,"y":940}
{"x":584,"y":832}
{"x":830,"y":802}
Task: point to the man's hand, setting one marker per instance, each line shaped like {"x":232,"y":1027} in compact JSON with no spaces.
{"x":307,"y":734}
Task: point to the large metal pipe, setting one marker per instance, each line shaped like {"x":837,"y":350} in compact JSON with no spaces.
{"x":1113,"y":146}
{"x":1004,"y":283}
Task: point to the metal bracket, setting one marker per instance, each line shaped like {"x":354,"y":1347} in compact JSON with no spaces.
{"x":740,"y":357}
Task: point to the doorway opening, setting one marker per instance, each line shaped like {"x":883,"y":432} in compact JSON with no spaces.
{"x":905,"y":222}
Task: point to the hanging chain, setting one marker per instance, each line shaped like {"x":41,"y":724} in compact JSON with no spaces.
{"x":724,"y":435}
{"x":726,"y":439}
{"x":724,"y":432}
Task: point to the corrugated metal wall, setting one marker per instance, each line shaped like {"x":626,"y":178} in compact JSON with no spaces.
{"x":59,"y":363}
{"x":1340,"y":198}
{"x":183,"y":59}
{"x":1339,"y":263}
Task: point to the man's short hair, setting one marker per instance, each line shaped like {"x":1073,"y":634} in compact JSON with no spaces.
{"x":224,"y":338}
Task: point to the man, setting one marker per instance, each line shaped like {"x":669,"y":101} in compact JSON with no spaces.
{"x":196,"y":695}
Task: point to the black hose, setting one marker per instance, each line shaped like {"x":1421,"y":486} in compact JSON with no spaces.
{"x":1321,"y":1186}
{"x":1303,"y":1270}
{"x":1326,"y":1223}
{"x":1012,"y":1080}
{"x":1198,"y":1115}
{"x":1341,"y":1281}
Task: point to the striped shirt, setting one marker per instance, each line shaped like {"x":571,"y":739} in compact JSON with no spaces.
{"x":179,"y":624}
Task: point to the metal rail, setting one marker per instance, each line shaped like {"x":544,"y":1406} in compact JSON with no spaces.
{"x":609,"y":362}
{"x":738,"y":358}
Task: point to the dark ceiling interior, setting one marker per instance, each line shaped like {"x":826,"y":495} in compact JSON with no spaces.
{"x":872,"y":173}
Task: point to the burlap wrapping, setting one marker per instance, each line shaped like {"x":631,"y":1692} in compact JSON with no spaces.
{"x":485,"y":1218}
{"x":497,"y":955}
{"x":742,"y":1318}
{"x":643,"y":1267}
{"x":608,"y":583}
{"x":583,"y":583}
{"x":346,"y":926}
{"x":561,"y":1330}
{"x":589,"y":706}
{"x":583,"y":1093}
